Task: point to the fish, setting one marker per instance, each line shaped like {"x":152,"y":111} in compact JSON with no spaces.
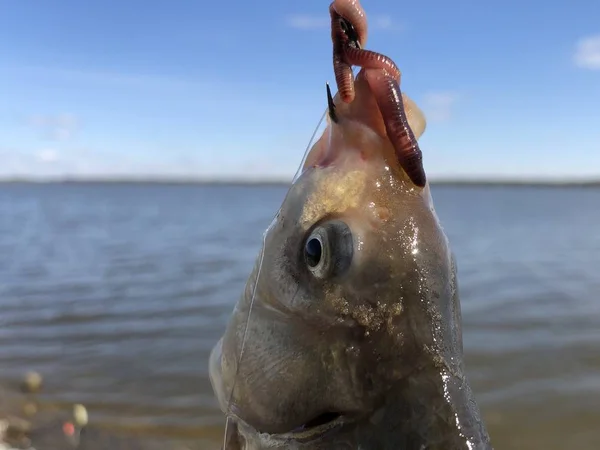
{"x":348,"y":333}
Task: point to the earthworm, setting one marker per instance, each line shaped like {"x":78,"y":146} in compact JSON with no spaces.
{"x":344,"y":77}
{"x":354,"y":14}
{"x":388,"y":96}
{"x":368,"y":59}
{"x":348,"y":30}
{"x":348,"y":34}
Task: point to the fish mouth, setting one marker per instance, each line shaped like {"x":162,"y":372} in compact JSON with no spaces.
{"x":324,"y":425}
{"x":318,"y":426}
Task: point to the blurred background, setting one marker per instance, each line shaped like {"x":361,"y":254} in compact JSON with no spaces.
{"x":145,"y":147}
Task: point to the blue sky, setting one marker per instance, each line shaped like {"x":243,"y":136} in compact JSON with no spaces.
{"x":213,"y":89}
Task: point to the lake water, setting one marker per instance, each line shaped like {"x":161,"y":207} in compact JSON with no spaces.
{"x":117,"y":293}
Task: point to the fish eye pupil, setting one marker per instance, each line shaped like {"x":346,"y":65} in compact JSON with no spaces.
{"x":327,"y":251}
{"x":313,"y":251}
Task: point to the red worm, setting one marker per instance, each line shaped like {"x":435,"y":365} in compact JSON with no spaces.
{"x":355,"y":15}
{"x":372,"y":60}
{"x":386,"y":91}
{"x":349,"y":34}
{"x":345,"y":54}
{"x":344,"y":77}
{"x":348,"y":30}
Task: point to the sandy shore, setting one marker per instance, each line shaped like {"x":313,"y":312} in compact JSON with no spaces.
{"x":26,"y":424}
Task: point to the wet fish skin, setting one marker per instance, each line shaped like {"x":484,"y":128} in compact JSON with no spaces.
{"x":377,"y":338}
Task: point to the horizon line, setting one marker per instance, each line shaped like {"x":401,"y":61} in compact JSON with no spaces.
{"x":179,"y":180}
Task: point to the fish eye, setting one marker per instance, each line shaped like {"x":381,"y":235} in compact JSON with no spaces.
{"x":328,"y":249}
{"x":313,"y":251}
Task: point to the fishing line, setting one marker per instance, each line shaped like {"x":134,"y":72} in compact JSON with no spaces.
{"x":309,"y":146}
{"x":251,"y":307}
{"x":355,"y":71}
{"x":245,"y":335}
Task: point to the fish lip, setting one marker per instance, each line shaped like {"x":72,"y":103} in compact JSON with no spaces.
{"x":303,"y":434}
{"x":300,"y":436}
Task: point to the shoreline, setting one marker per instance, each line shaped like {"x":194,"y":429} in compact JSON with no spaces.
{"x":260,"y":183}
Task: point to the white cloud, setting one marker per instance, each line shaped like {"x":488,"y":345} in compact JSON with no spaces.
{"x":308,"y":22}
{"x":319,"y":22}
{"x":120,"y":79}
{"x":47,"y":155}
{"x":59,"y":127}
{"x":438,"y":106}
{"x":382,"y":23}
{"x":48,"y":163}
{"x":587,"y":53}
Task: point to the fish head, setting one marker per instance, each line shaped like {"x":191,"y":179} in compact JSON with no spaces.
{"x":350,"y":319}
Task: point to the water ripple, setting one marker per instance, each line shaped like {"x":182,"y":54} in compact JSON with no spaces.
{"x":118,"y":293}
